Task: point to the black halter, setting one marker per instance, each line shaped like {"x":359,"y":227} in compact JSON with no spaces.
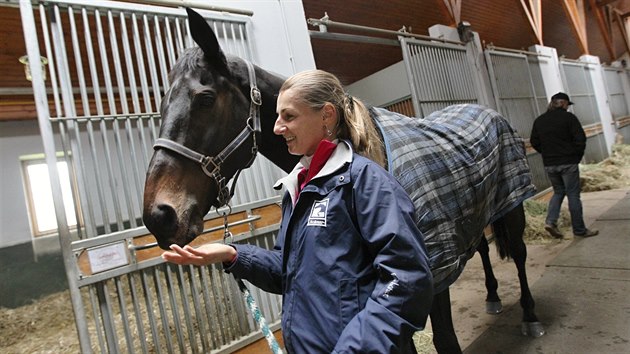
{"x":211,"y":166}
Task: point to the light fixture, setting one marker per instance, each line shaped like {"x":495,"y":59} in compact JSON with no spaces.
{"x":27,"y":69}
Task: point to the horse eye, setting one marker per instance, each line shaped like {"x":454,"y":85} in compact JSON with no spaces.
{"x":205,"y":100}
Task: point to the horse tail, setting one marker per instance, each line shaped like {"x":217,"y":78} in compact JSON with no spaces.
{"x":508,"y":232}
{"x":502,"y":238}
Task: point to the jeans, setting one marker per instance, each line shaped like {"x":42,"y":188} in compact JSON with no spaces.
{"x":565,"y":180}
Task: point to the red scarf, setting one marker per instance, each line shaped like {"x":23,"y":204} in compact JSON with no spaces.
{"x":324,"y":149}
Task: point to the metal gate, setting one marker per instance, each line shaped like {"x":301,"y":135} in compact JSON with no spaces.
{"x":109,"y":65}
{"x":520,"y":96}
{"x":617,"y":100}
{"x":518,"y":86}
{"x":440,"y":75}
{"x":578,"y":83}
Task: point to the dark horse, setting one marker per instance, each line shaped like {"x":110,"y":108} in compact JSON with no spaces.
{"x":218,"y":113}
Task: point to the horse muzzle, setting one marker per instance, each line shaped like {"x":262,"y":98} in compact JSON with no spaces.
{"x":168,"y":228}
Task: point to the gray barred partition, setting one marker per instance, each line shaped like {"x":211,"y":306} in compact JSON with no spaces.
{"x":520,"y":96}
{"x":518,"y":87}
{"x":578,"y":84}
{"x":440,"y":75}
{"x":618,"y":100}
{"x":109,"y":65}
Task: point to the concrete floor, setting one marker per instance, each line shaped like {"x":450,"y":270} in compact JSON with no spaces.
{"x":581,"y":288}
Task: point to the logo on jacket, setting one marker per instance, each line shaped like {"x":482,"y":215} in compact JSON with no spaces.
{"x":318,"y":213}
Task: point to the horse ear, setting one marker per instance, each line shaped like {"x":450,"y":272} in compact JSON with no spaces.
{"x":204,"y":36}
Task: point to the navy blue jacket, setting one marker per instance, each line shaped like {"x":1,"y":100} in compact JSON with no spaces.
{"x":349,"y":261}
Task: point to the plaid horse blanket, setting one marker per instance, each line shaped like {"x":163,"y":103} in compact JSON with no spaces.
{"x":463,"y":167}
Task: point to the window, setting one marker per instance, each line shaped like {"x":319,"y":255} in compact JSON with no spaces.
{"x":39,"y":196}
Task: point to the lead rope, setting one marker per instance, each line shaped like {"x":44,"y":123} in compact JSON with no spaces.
{"x":249,"y":299}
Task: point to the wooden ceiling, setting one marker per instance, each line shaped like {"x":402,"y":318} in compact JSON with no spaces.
{"x":503,"y":23}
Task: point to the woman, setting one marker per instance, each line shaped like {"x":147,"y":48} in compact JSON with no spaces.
{"x":349,"y":260}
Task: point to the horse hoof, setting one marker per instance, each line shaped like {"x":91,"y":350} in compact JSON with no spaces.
{"x":494,"y":307}
{"x":532,"y":329}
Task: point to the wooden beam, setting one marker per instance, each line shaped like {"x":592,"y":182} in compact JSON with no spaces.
{"x":576,"y":14}
{"x":602,"y":3}
{"x":603,"y":28}
{"x":622,"y":29}
{"x":534,"y":15}
{"x":454,"y":9}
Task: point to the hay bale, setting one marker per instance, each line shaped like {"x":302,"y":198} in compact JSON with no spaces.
{"x":535,"y":214}
{"x":423,"y":341}
{"x":611,"y":173}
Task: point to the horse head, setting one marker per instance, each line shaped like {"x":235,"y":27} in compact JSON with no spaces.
{"x":210,"y":131}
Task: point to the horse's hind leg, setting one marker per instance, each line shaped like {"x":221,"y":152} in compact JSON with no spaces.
{"x":444,"y":337}
{"x":512,"y":225}
{"x":493,"y":302}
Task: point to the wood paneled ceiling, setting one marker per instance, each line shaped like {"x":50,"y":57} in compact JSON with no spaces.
{"x":503,"y":23}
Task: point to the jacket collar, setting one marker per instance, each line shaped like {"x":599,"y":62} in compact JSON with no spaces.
{"x":339,"y":157}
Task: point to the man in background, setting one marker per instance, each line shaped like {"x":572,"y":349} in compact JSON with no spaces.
{"x":558,"y":136}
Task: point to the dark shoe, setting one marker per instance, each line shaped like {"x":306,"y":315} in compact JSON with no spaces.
{"x":588,"y":233}
{"x":553,"y":231}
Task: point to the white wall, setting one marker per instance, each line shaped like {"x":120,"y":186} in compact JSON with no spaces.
{"x":382,"y":87}
{"x":17,"y":138}
{"x":601,"y":99}
{"x":281,"y":44}
{"x":550,"y":70}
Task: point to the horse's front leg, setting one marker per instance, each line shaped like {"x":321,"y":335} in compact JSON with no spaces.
{"x":444,"y":337}
{"x":493,"y":302}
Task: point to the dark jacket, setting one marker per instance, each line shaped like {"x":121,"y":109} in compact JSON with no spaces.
{"x":349,"y":261}
{"x":558,"y":136}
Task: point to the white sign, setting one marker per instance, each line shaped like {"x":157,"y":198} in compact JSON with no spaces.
{"x":108,"y":257}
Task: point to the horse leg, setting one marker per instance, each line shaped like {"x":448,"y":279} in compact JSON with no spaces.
{"x":513,"y":224}
{"x":444,"y":337}
{"x":493,"y":302}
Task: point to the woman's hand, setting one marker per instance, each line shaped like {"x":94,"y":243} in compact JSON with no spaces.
{"x":204,"y":255}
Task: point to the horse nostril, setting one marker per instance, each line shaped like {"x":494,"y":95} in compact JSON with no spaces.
{"x":164,"y":217}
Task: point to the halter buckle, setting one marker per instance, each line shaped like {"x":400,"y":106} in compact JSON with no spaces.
{"x":207,"y":160}
{"x":255,"y":96}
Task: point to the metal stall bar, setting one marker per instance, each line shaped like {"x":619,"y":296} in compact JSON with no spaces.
{"x":412,"y":72}
{"x":131,"y":149}
{"x":122,"y":97}
{"x":43,"y":115}
{"x":100,"y":189}
{"x":76,"y":157}
{"x":145,"y":144}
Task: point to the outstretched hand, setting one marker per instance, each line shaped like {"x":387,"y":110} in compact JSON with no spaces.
{"x":204,"y":255}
